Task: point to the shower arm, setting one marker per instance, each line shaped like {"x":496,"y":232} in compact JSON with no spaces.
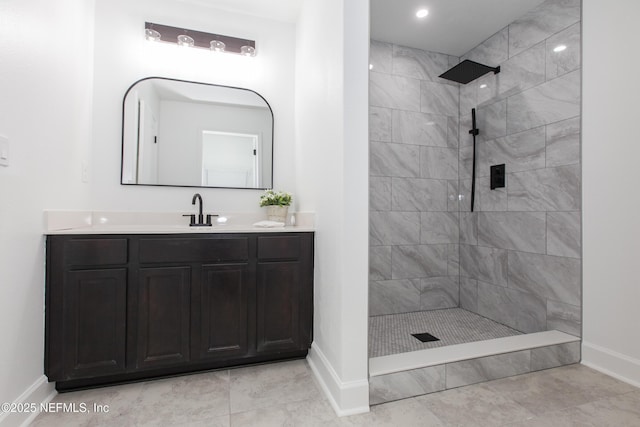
{"x":474,"y":131}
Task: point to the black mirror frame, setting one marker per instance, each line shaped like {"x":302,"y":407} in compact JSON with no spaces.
{"x":199,"y":83}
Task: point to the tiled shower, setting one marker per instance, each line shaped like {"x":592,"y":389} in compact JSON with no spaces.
{"x":515,"y":260}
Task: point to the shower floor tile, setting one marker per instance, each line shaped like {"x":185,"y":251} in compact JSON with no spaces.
{"x":391,"y":334}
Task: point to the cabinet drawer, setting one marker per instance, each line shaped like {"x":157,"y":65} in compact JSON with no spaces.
{"x":189,"y":249}
{"x":278,"y":247}
{"x":96,"y":251}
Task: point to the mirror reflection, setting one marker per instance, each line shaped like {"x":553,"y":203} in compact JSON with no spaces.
{"x":180,"y":133}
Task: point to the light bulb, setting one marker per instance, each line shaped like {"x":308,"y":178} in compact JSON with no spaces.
{"x":248,"y":50}
{"x":185,"y":41}
{"x":217,"y":46}
{"x":422,"y":13}
{"x":151,"y":35}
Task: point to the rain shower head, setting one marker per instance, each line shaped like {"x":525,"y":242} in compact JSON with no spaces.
{"x":467,"y":71}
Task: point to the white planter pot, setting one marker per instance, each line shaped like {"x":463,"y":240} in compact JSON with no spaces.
{"x":277,"y":213}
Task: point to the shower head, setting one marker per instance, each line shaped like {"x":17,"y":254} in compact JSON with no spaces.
{"x":467,"y":71}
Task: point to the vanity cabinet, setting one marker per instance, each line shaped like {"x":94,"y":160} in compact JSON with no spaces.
{"x":128,"y":307}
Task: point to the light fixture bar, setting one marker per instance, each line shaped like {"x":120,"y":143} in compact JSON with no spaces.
{"x":201,"y":39}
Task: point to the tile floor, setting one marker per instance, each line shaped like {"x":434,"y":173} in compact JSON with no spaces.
{"x":391,"y":333}
{"x":286,"y":394}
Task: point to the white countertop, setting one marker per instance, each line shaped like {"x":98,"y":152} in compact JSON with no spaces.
{"x":84,"y":222}
{"x":177,"y":229}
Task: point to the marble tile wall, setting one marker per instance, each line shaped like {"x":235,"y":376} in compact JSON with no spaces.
{"x":520,"y":251}
{"x":413,"y":187}
{"x":517,"y":258}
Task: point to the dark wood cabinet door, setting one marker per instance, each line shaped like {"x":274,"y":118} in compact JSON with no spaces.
{"x":94,"y":319}
{"x":278,"y":306}
{"x":223,"y":304}
{"x":164,"y":295}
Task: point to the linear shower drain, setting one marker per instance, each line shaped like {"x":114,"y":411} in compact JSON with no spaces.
{"x":425,"y":337}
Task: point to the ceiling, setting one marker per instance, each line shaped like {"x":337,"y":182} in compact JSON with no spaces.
{"x":453,"y":27}
{"x":278,"y":10}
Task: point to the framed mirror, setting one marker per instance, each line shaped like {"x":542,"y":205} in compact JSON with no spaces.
{"x":189,"y":134}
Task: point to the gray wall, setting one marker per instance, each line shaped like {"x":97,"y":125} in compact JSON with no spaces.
{"x":520,"y":251}
{"x":516,"y":259}
{"x":413,"y":181}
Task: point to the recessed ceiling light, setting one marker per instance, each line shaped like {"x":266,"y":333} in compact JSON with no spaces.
{"x":559,"y":48}
{"x":422,"y":13}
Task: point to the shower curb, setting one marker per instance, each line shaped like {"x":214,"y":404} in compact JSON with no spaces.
{"x":401,"y":376}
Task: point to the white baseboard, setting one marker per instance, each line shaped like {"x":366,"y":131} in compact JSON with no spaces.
{"x":611,"y":363}
{"x":41,"y":391}
{"x":346,"y":398}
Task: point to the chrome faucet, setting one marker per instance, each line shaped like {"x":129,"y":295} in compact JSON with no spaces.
{"x":192,"y":217}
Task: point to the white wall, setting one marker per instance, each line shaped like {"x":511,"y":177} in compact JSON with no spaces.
{"x":611,"y":151}
{"x":332,"y":164}
{"x":180,"y":136}
{"x":123,"y":56}
{"x":132,"y":110}
{"x":45,"y":111}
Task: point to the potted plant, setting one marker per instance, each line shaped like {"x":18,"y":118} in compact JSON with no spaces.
{"x":277,"y":204}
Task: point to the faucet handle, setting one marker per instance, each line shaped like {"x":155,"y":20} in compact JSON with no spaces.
{"x":192,"y":219}
{"x":209,"y":216}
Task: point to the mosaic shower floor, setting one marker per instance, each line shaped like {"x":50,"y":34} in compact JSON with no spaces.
{"x":391,"y":334}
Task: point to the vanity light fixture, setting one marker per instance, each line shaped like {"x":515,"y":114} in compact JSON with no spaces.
{"x":199,"y":39}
